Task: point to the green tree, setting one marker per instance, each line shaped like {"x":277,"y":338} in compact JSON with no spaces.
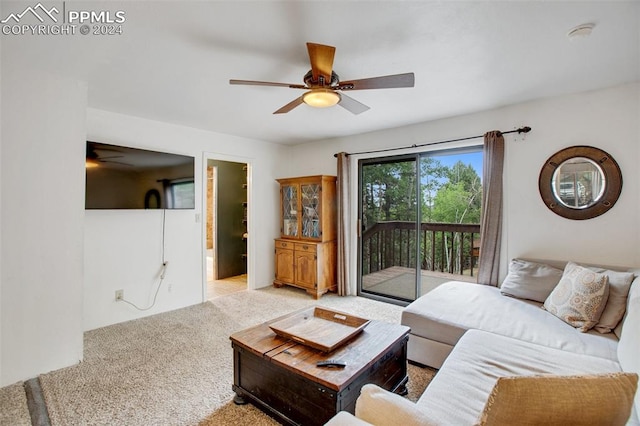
{"x":448,"y":195}
{"x":388,"y":192}
{"x":459,"y":200}
{"x":433,"y":173}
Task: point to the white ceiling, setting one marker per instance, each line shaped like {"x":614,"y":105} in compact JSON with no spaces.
{"x":174,"y":59}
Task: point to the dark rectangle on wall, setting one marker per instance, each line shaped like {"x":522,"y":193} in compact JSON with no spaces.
{"x":119,"y":177}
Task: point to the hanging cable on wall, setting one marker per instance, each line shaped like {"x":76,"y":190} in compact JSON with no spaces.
{"x":525,"y":130}
{"x":163,"y":270}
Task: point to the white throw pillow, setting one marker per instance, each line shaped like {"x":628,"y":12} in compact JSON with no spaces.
{"x":530,"y":280}
{"x":579,"y":298}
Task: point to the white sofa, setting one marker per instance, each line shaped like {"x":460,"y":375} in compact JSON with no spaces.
{"x":475,"y":335}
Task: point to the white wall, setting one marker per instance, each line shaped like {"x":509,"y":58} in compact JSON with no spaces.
{"x":42,"y":185}
{"x":0,"y":216}
{"x":123,"y":248}
{"x":607,"y":119}
{"x":48,"y":298}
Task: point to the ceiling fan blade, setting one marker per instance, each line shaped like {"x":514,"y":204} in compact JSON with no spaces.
{"x":95,"y":146}
{"x":267,"y":83}
{"x":352,"y":105}
{"x":116,"y":162}
{"x":321,"y":58}
{"x":383,"y":82}
{"x":288,"y":107}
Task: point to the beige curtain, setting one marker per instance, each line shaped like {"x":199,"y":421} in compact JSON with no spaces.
{"x":343,"y":268}
{"x":491,"y":221}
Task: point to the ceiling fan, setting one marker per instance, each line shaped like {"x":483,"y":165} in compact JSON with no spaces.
{"x":93,"y":159}
{"x":324,"y":87}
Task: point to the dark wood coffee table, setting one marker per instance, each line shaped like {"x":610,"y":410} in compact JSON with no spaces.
{"x":280,"y":376}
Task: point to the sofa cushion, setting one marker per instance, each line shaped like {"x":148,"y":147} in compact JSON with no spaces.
{"x":619,"y":284}
{"x":634,"y":291}
{"x":344,"y":418}
{"x":580,"y":297}
{"x":377,"y":406}
{"x":629,"y":346}
{"x":480,"y":358}
{"x":561,"y":400}
{"x":530,"y":280}
{"x":446,"y":312}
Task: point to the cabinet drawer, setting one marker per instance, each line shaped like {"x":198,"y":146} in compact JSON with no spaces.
{"x":284,"y":244}
{"x":308,"y":248}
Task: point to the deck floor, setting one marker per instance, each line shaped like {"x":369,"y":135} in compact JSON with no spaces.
{"x":399,"y":281}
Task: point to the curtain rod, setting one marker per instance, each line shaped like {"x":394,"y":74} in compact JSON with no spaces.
{"x":525,"y":129}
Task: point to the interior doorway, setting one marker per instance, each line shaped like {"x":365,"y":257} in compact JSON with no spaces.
{"x":226,"y":225}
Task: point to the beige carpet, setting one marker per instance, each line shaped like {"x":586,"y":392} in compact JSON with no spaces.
{"x":176,"y":368}
{"x":13,"y":406}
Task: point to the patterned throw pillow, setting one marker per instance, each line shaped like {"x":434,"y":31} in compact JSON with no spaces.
{"x":579,"y":298}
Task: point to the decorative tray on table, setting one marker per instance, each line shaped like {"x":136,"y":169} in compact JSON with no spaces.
{"x":319,"y":328}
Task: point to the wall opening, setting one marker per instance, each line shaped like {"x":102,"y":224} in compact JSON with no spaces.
{"x":226,"y":243}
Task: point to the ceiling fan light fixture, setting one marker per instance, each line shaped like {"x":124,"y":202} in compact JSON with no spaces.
{"x":90,"y":163}
{"x":321,"y":98}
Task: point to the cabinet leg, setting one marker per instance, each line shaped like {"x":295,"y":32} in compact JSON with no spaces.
{"x":402,"y":390}
{"x":239,"y":400}
{"x":314,"y":293}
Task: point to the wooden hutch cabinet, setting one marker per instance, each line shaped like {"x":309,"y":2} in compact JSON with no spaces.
{"x":306,"y":249}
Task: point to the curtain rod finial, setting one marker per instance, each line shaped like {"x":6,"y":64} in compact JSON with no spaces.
{"x":525,"y":129}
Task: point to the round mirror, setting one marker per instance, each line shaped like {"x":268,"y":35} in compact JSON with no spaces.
{"x":580,"y":182}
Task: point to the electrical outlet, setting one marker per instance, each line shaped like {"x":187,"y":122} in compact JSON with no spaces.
{"x":119,"y":295}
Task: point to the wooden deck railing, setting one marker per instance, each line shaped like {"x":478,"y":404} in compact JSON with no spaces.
{"x":444,"y":247}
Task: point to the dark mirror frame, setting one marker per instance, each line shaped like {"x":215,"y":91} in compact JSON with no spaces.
{"x":612,"y":176}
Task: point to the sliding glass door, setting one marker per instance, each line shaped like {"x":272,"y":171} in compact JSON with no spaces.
{"x":389,"y":210}
{"x":419,"y":222}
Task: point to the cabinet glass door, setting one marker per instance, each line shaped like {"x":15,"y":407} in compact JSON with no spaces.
{"x":310,"y":210}
{"x":289,"y":210}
